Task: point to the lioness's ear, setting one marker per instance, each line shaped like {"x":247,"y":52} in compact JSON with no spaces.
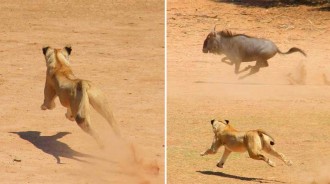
{"x":68,"y":49}
{"x":227,"y":121}
{"x":44,"y":50}
{"x":212,"y":121}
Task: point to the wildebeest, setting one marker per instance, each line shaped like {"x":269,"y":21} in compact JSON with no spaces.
{"x":240,"y":48}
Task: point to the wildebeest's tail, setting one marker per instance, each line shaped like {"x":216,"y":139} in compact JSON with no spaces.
{"x":261,"y":132}
{"x":293,"y":49}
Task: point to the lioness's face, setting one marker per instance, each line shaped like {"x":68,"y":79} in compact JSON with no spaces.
{"x":218,"y":126}
{"x":49,"y":54}
{"x":211,"y":43}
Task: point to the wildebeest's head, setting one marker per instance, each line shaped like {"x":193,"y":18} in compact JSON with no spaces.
{"x":212,"y":43}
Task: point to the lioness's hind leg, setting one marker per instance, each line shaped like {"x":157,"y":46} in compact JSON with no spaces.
{"x":259,"y":156}
{"x":69,"y":115}
{"x":100,"y":103}
{"x":84,"y":124}
{"x":254,"y":147}
{"x":269,"y":149}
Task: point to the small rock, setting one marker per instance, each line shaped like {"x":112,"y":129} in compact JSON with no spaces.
{"x":17,"y":160}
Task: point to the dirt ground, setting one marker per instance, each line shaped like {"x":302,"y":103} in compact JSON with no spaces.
{"x":119,"y":45}
{"x":201,"y":87}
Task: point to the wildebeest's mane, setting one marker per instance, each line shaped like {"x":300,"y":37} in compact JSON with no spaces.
{"x":228,"y":34}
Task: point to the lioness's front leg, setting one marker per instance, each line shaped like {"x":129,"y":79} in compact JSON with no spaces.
{"x":214,"y":147}
{"x":49,"y":97}
{"x":224,"y":157}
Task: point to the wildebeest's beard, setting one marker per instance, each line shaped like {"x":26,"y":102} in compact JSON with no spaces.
{"x":205,"y":49}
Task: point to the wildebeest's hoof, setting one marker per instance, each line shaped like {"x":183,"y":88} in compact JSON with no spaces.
{"x":43,"y":107}
{"x":240,"y":78}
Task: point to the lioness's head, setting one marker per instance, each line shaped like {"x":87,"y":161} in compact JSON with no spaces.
{"x":219,"y":126}
{"x":53,"y":56}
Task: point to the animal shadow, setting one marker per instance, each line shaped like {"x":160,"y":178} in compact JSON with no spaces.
{"x":258,"y":180}
{"x":51,"y":145}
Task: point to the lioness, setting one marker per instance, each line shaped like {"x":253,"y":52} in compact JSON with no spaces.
{"x":75,"y":94}
{"x":253,"y":141}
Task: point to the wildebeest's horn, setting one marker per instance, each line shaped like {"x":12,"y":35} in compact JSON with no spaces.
{"x":215,"y":26}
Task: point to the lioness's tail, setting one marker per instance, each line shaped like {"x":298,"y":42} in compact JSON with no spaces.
{"x":262,"y":133}
{"x":81,"y":103}
{"x":100,"y":103}
{"x":293,"y":49}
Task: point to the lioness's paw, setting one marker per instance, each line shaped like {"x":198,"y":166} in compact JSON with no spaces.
{"x":69,"y":117}
{"x":220,"y":165}
{"x":202,"y":154}
{"x":271,"y":163}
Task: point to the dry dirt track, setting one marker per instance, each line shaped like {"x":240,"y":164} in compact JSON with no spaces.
{"x":116,"y":44}
{"x":201,"y":88}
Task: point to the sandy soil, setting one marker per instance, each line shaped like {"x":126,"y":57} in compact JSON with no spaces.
{"x":119,"y":45}
{"x":201,"y":88}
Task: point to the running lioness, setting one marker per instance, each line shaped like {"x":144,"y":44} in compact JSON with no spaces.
{"x":75,"y":94}
{"x":253,"y":141}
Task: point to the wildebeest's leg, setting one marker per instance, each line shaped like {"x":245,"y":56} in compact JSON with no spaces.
{"x":224,"y":157}
{"x":229,"y":62}
{"x":255,"y":69}
{"x":237,"y":66}
{"x":263,"y":64}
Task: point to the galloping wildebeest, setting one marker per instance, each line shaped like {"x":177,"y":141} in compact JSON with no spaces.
{"x":242,"y":48}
